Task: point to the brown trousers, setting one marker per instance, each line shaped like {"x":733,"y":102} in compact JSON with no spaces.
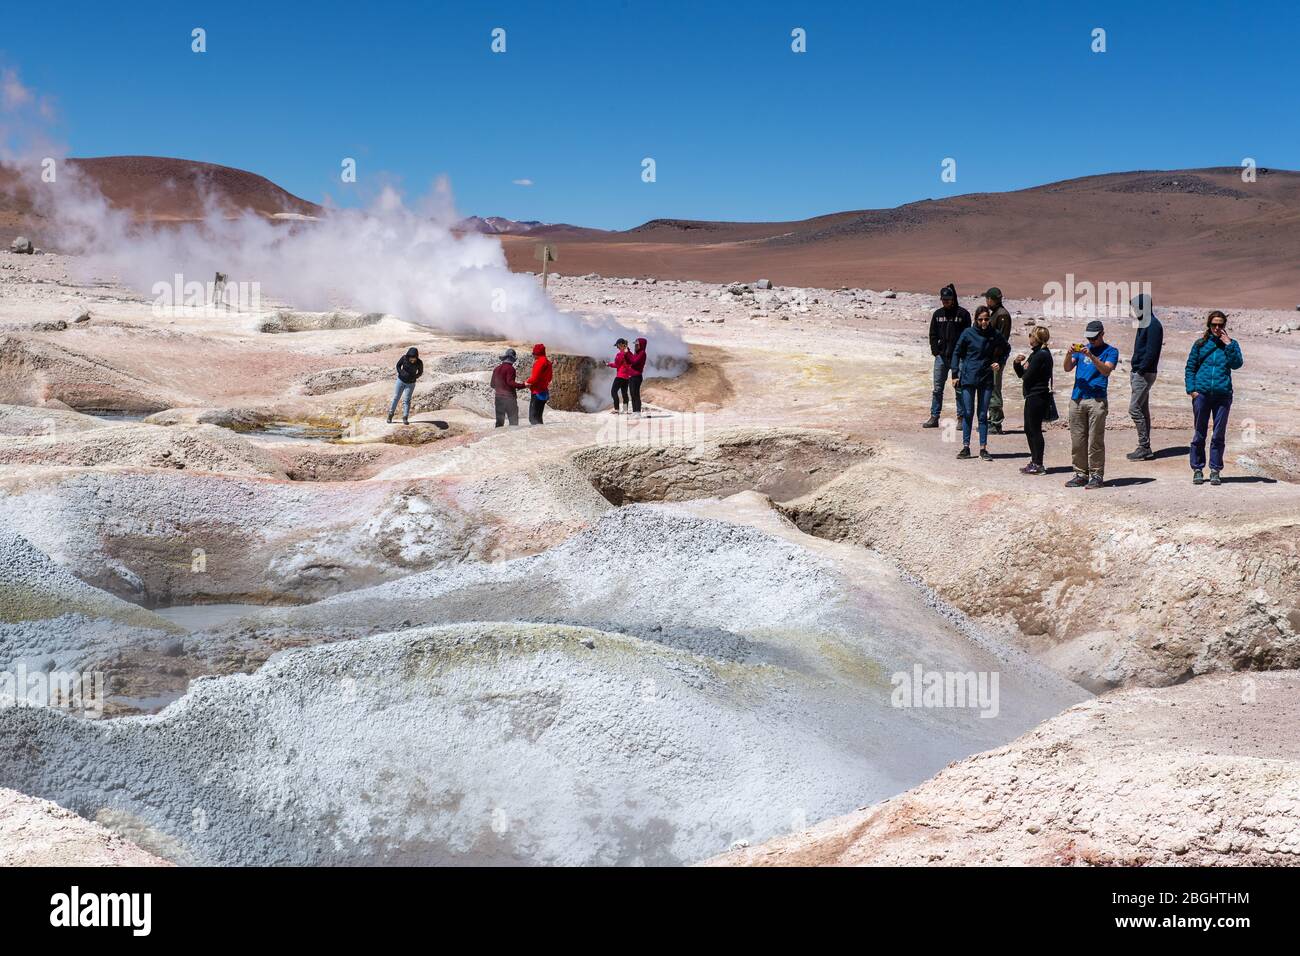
{"x":1088,"y":436}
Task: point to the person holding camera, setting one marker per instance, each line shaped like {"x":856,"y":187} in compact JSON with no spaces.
{"x":1092,"y":365}
{"x":1035,"y":374}
{"x":1208,"y":378}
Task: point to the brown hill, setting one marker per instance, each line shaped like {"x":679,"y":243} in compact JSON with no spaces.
{"x":160,"y":189}
{"x":1195,"y":235}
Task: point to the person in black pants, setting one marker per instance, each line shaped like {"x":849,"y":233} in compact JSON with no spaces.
{"x":636,"y":364}
{"x":1035,"y":373}
{"x":622,"y":376}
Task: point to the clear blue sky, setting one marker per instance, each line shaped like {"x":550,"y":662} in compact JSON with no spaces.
{"x":740,"y":127}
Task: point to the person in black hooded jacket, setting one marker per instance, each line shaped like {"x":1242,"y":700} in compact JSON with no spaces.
{"x":1145,"y":363}
{"x":946,"y":326}
{"x":409,"y":368}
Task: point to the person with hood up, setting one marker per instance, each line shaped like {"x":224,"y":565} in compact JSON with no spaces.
{"x":504,"y":386}
{"x":947,"y":324}
{"x":1148,"y":342}
{"x":1208,"y":378}
{"x":979,"y":353}
{"x":1001,"y":324}
{"x":622,"y":366}
{"x":409,"y":368}
{"x":637,"y":364}
{"x":539,"y":384}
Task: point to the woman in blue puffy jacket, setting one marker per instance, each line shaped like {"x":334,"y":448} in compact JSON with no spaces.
{"x":1208,"y":378}
{"x":980,"y":351}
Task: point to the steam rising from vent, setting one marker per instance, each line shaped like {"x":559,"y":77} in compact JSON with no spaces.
{"x":385,"y":258}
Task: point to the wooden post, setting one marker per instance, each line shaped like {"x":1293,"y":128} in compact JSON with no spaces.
{"x":547,"y":253}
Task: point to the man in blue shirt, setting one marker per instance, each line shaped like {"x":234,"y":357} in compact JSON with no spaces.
{"x":1092,"y":365}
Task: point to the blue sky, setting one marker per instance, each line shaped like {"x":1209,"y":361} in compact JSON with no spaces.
{"x":739,"y":126}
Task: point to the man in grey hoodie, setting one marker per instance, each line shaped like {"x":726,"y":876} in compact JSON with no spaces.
{"x":1144,"y":364}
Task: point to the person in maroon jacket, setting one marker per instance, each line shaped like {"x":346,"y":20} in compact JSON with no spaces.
{"x":637,"y":365}
{"x":504,"y":386}
{"x":539,"y":383}
{"x":622,"y":366}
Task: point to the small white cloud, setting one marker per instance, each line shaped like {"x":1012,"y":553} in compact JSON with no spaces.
{"x":522,"y":182}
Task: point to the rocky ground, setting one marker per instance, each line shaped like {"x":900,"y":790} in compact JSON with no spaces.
{"x":1202,"y":774}
{"x":40,"y":833}
{"x":756,"y":555}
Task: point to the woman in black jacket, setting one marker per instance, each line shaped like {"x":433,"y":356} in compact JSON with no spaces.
{"x":1035,"y":373}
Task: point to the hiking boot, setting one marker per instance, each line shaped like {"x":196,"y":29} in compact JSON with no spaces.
{"x":404,"y":421}
{"x":1198,"y":477}
{"x":931,"y":422}
{"x":390,"y":419}
{"x":1078,"y":481}
{"x":984,"y":455}
{"x":965,"y":452}
{"x":1214,"y":477}
{"x":1032,"y":469}
{"x":1094,"y":482}
{"x":1141,"y":454}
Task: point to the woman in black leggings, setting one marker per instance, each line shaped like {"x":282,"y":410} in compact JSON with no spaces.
{"x":1035,"y":373}
{"x":622,"y":375}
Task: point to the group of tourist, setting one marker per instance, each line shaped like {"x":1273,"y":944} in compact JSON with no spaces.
{"x":628,"y":365}
{"x":974,"y":354}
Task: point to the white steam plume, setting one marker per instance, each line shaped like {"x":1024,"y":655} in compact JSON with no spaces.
{"x":385,"y":258}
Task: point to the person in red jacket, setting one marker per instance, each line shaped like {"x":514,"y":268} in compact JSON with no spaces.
{"x":637,"y":365}
{"x":539,"y":384}
{"x":622,"y":366}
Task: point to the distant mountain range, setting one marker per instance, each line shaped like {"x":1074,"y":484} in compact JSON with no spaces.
{"x":500,"y":226}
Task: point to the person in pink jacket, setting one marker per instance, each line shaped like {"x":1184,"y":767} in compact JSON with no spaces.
{"x":637,"y":365}
{"x":622,"y":375}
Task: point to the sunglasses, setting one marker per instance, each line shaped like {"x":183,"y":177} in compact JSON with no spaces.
{"x":1218,"y":325}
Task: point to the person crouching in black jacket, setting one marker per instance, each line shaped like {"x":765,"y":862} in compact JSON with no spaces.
{"x":1035,"y":373}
